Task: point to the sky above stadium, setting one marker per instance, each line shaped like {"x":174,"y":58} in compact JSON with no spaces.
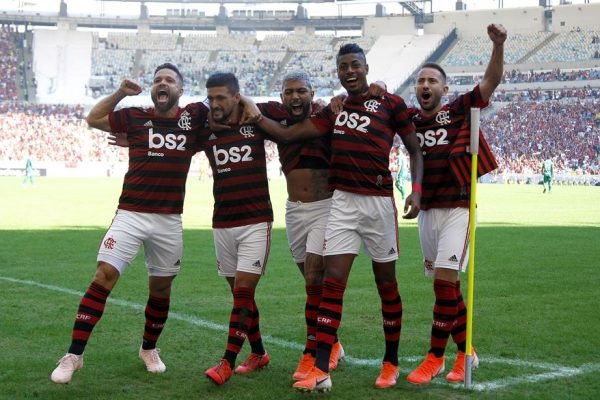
{"x":336,"y":8}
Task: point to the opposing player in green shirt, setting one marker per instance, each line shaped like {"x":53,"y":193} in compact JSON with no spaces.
{"x":548,"y":173}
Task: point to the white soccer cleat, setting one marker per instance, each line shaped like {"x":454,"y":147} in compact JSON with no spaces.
{"x":67,"y":366}
{"x":152,"y":360}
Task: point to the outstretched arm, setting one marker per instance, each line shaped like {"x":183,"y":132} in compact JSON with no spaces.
{"x":493,"y":72}
{"x":304,"y":129}
{"x":98,"y":115}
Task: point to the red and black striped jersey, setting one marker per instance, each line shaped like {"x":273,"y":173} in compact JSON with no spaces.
{"x":291,"y":153}
{"x":239,"y":167}
{"x":437,"y":137}
{"x":362,"y":136}
{"x":160,"y":153}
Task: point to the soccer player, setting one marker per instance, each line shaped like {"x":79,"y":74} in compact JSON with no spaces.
{"x":306,"y":168}
{"x":242,"y":220}
{"x":400,"y":173}
{"x":444,"y":217}
{"x":548,"y":174}
{"x":162,"y":141}
{"x":362,"y":209}
{"x":28,"y":177}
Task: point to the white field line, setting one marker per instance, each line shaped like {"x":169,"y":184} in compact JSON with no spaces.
{"x":553,"y":371}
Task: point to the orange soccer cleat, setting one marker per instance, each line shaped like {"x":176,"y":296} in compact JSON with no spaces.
{"x":220,"y":373}
{"x":253,"y":362}
{"x":429,"y":369}
{"x":388,"y":376}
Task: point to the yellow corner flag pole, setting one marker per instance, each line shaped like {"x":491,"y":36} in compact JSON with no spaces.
{"x":475,"y":117}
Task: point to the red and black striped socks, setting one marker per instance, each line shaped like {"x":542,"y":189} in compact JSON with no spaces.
{"x":89,"y":313}
{"x":444,"y":315}
{"x":239,"y":322}
{"x":311,"y":309}
{"x":391,"y":311}
{"x":328,"y":320}
{"x":459,"y":332}
{"x":157,"y":312}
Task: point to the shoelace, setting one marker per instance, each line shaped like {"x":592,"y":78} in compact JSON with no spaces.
{"x":67,"y":359}
{"x":220,"y":366}
{"x":430,"y":367}
{"x":154,"y":355}
{"x":388,"y":373}
{"x":254,"y":359}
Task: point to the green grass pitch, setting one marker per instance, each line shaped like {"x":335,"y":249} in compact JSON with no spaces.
{"x":536,"y":325}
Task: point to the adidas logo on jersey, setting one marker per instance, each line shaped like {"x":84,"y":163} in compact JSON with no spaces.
{"x":149,"y":123}
{"x":453,"y":258}
{"x":212,"y":137}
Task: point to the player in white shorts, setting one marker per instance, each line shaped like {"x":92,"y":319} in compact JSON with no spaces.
{"x":242,"y":221}
{"x":362,"y":134}
{"x":444,"y":217}
{"x":149,"y":210}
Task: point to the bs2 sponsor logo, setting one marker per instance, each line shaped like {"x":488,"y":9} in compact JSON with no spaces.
{"x":353,"y":121}
{"x":433,"y":138}
{"x":234,"y":155}
{"x":169,"y":141}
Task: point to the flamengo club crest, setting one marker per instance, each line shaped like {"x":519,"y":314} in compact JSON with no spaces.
{"x":185,"y":122}
{"x":247,"y":131}
{"x":443,"y":117}
{"x":371,"y":105}
{"x":110,"y":243}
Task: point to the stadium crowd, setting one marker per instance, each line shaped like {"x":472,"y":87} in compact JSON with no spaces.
{"x":521,"y":134}
{"x":51,"y":133}
{"x":8,"y":64}
{"x":524,"y":133}
{"x":531,"y":76}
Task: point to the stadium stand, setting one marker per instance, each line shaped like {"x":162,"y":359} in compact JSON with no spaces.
{"x":547,"y":103}
{"x":8,"y":64}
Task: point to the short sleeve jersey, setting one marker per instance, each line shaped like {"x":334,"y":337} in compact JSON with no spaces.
{"x":160,"y":154}
{"x":362,"y":136}
{"x":239,"y":167}
{"x":547,"y":168}
{"x":436,"y":137}
{"x":290,"y":154}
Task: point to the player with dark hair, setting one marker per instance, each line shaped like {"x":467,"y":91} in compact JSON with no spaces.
{"x":306,"y":168}
{"x":162,"y":141}
{"x":362,"y":209}
{"x":242,"y":220}
{"x":443,"y":132}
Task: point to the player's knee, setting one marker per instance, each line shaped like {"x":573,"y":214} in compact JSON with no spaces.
{"x":106,"y":275}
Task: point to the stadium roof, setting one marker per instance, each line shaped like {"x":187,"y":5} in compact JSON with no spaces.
{"x":182,"y":2}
